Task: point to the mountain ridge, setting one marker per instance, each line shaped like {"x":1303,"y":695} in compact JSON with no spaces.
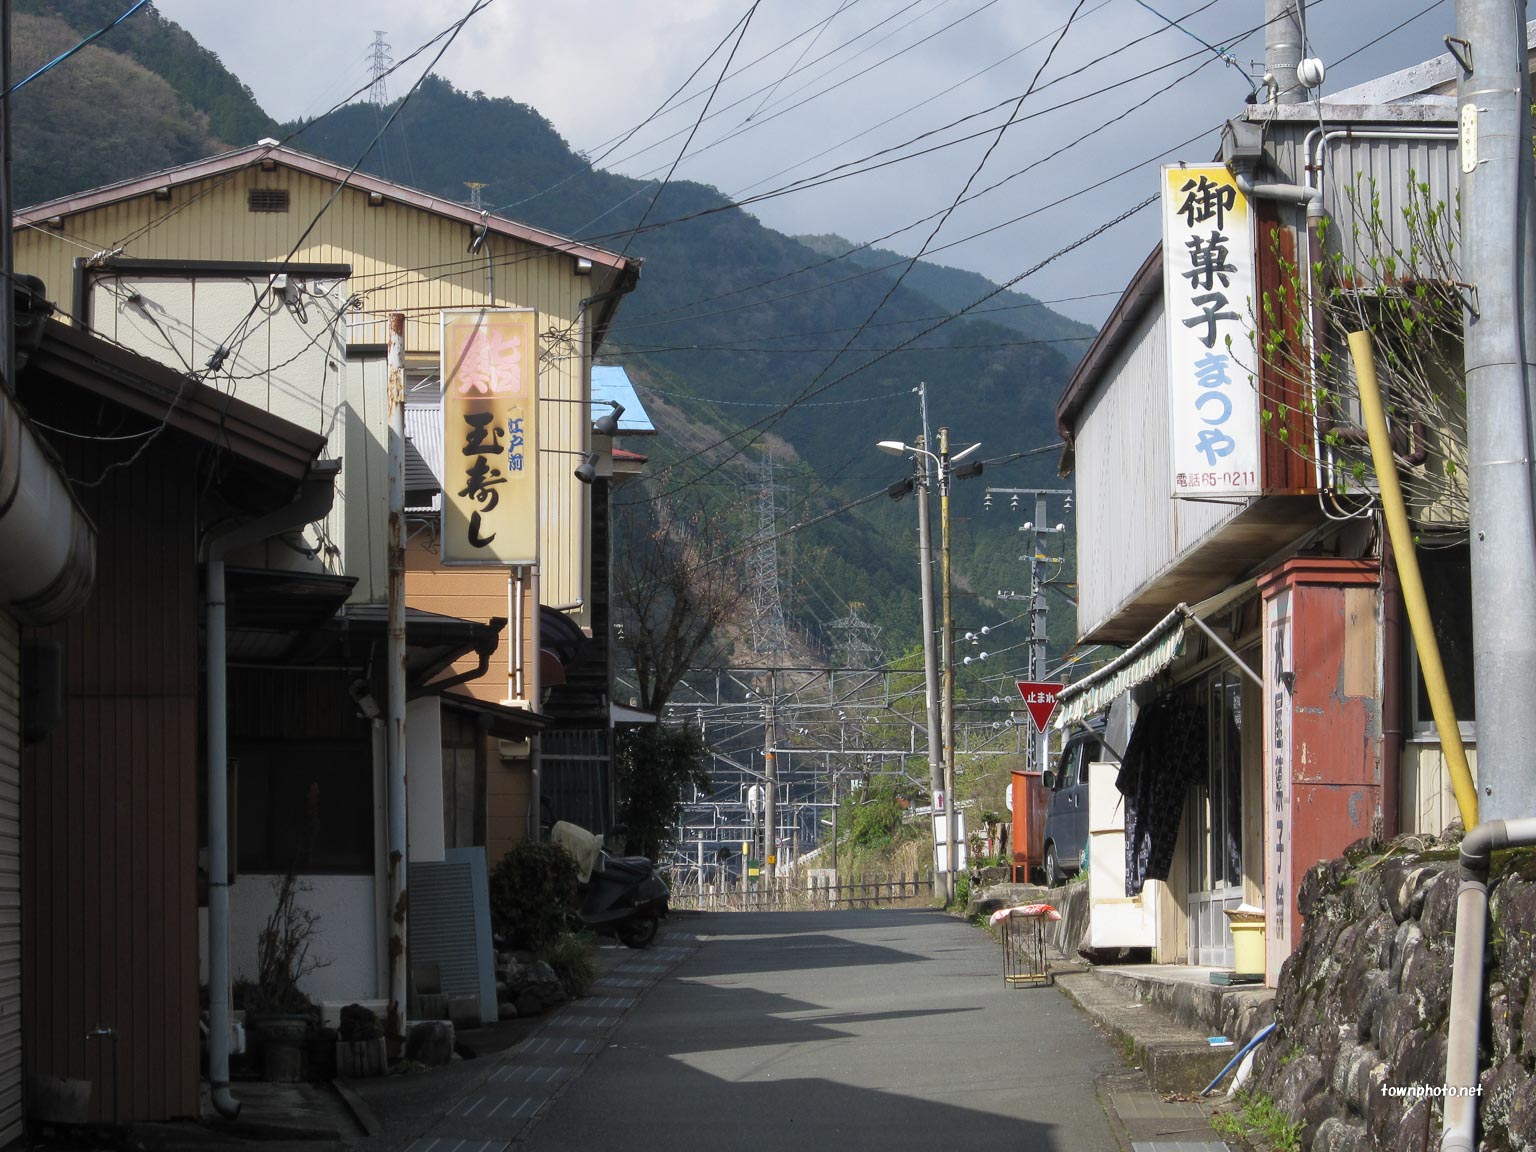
{"x":731,"y":321}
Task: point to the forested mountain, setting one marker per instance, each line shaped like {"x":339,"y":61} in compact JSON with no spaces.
{"x":734,"y":326}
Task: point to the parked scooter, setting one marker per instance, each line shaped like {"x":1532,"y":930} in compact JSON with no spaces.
{"x":621,"y":896}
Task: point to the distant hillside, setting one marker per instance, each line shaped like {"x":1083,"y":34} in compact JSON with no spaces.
{"x":954,"y":288}
{"x":731,"y":320}
{"x":195,"y":74}
{"x":101,"y":118}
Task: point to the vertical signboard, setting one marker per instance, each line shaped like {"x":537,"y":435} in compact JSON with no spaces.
{"x":1209,"y":288}
{"x":490,"y":437}
{"x":1278,"y":897}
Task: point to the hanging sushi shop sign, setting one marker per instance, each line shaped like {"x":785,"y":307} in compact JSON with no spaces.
{"x":490,"y":464}
{"x":1209,"y":290}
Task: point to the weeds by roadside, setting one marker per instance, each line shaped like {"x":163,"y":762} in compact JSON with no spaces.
{"x":1259,"y":1122}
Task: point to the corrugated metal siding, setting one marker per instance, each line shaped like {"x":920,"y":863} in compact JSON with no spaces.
{"x":109,"y":814}
{"x":10,"y":881}
{"x":1129,"y":527}
{"x":1388,"y":164}
{"x":403,"y":260}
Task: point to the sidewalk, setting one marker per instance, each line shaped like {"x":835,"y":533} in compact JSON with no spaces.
{"x":1157,"y":1050}
{"x":483,"y":1105}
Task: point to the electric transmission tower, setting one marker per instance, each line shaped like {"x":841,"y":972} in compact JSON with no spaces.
{"x":475,"y":188}
{"x":770,"y":636}
{"x":380,"y":61}
{"x":857,"y":647}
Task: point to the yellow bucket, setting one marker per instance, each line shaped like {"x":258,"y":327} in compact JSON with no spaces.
{"x":1247,"y":942}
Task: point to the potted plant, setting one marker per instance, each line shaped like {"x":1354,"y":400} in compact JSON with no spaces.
{"x":277,"y":1010}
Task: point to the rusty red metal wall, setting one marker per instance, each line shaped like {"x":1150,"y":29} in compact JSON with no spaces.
{"x":1333,"y":789}
{"x":1284,"y":369}
{"x":109,"y":816}
{"x":1029,"y":805}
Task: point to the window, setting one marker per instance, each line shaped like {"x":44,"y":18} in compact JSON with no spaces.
{"x":1447,"y":571}
{"x":307,"y":806}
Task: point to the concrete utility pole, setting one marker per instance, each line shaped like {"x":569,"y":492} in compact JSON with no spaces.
{"x":770,"y":787}
{"x":394,"y":733}
{"x":925,"y":567}
{"x":951,"y":822}
{"x":1499,"y":261}
{"x":1283,"y":50}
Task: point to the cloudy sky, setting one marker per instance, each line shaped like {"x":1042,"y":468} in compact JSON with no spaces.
{"x":814,"y":84}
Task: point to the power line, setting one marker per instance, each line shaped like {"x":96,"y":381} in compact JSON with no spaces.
{"x":1075,"y":244}
{"x":744,"y":23}
{"x":63,"y":56}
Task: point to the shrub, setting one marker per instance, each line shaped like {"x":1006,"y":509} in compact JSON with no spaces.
{"x":962,"y":890}
{"x":570,"y":955}
{"x":533,"y":894}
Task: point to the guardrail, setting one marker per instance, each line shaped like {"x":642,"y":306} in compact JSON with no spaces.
{"x":797,"y":894}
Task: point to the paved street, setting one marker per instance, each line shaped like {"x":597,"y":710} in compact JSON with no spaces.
{"x":883,"y":1030}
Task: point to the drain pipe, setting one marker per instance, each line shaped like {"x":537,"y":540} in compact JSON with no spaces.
{"x":313,"y":502}
{"x":1477,"y":849}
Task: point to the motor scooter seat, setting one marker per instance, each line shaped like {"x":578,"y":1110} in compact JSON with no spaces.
{"x":637,"y":866}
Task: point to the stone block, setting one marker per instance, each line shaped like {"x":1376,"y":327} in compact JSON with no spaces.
{"x":430,"y":1042}
{"x":359,"y":1059}
{"x":464,"y":1012}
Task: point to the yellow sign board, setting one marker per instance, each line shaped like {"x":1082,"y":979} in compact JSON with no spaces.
{"x":490,"y":437}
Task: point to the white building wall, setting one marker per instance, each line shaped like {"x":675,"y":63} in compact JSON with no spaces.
{"x":287,"y":360}
{"x":424,"y":779}
{"x":1129,"y":527}
{"x":345,"y":931}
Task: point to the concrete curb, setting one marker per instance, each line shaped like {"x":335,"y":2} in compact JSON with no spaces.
{"x":1176,"y":1058}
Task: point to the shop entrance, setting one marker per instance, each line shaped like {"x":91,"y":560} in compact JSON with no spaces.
{"x":1215,"y":821}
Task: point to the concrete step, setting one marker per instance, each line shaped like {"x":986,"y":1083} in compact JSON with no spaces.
{"x":1175,"y":1056}
{"x":1187,"y":995}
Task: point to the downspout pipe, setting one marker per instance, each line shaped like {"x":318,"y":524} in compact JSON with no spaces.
{"x":313,"y":502}
{"x":1477,"y":848}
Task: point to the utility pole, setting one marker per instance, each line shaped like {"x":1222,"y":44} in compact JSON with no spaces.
{"x":1499,"y":260}
{"x":936,"y":782}
{"x":951,"y":822}
{"x":770,"y":787}
{"x":1037,"y":529}
{"x":394,"y":737}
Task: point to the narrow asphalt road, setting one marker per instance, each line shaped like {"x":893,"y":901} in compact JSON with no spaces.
{"x":888,"y":1030}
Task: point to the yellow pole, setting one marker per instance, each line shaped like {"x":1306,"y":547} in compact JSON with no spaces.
{"x":1412,"y":582}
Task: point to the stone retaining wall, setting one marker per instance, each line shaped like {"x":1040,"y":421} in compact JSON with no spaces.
{"x":1363,"y":1003}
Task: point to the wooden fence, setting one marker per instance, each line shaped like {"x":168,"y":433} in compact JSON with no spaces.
{"x":797,"y":894}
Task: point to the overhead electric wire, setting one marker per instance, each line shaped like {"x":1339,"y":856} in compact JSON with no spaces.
{"x":827,"y":23}
{"x":808,"y":392}
{"x":909,"y":109}
{"x":744,"y":23}
{"x":817,"y":95}
{"x":398,"y":274}
{"x":614,"y":142}
{"x":63,"y":56}
{"x":214,"y":185}
{"x":231,"y":344}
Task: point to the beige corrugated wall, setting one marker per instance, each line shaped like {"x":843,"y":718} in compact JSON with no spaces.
{"x":403,"y":259}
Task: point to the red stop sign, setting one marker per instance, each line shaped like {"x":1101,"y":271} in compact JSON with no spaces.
{"x":1040,"y":699}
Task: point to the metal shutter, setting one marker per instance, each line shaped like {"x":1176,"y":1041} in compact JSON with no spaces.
{"x":451,"y":924}
{"x":10,"y":882}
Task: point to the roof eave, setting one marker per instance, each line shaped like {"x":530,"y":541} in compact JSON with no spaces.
{"x":243,"y":158}
{"x":1146,"y":286}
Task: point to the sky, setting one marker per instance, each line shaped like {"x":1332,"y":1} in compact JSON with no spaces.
{"x":809,"y":85}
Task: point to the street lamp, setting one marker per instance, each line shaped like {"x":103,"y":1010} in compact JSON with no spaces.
{"x":941,"y":747}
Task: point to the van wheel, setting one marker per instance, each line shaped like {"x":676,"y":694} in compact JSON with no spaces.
{"x":1052,"y":872}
